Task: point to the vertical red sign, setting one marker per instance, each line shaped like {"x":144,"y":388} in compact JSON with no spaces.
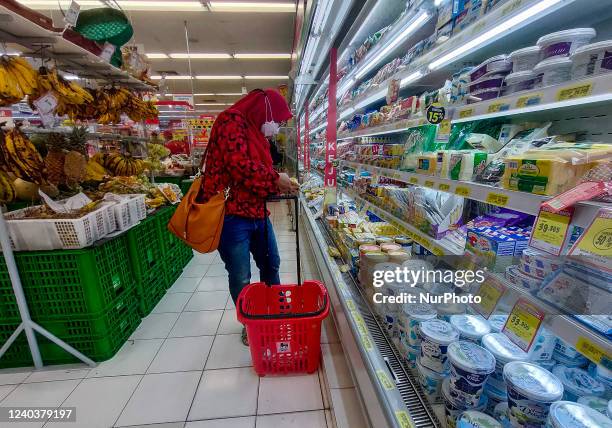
{"x":330,"y":133}
{"x":299,"y":139}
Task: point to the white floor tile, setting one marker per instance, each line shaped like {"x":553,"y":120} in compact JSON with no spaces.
{"x":217,"y":270}
{"x":225,"y":393}
{"x":229,"y":323}
{"x":336,"y":368}
{"x":195,"y":271}
{"x":159,"y":398}
{"x":14,"y":376}
{"x":6,"y":390}
{"x":66,"y":372}
{"x":329,"y":333}
{"x":289,"y":394}
{"x":199,"y":323}
{"x":204,"y":259}
{"x":99,"y":402}
{"x":133,"y":358}
{"x":288,"y":278}
{"x":314,"y":419}
{"x":242,"y":422}
{"x":230,"y":304}
{"x":184,"y":285}
{"x":285,"y":239}
{"x":214,"y":283}
{"x":172,"y":302}
{"x":228,"y":352}
{"x":207,"y":301}
{"x":346,"y":408}
{"x":155,"y":326}
{"x":329,"y":418}
{"x":182,"y":354}
{"x":168,"y":425}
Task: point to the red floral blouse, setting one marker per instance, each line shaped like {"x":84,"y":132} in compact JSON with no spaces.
{"x":230,"y":163}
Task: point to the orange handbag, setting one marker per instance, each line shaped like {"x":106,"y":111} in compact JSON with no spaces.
{"x":199,"y":224}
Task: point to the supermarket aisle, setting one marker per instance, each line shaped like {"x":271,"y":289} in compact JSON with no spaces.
{"x":185,"y":366}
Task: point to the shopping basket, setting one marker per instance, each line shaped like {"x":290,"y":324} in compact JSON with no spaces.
{"x":283,"y":322}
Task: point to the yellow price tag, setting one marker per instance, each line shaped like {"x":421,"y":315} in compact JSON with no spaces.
{"x":467,"y":112}
{"x":444,"y":127}
{"x":550,"y":230}
{"x":529,"y":100}
{"x":597,"y":239}
{"x":444,"y":187}
{"x":413,"y":180}
{"x":495,"y":107}
{"x":592,"y":351}
{"x":384,"y":379}
{"x":429,"y":183}
{"x":350,"y":304}
{"x":523,"y":324}
{"x":498,"y":199}
{"x":490,"y":292}
{"x":437,"y":251}
{"x":462,"y":191}
{"x":575,"y":91}
{"x":404,"y":419}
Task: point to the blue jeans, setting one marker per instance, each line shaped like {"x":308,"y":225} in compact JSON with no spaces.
{"x":241,"y":235}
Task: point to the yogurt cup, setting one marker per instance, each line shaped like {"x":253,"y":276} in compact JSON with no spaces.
{"x":500,"y":413}
{"x":411,"y":354}
{"x":518,"y":81}
{"x":453,"y":408}
{"x":566,"y":350}
{"x":474,"y":419}
{"x":497,"y":64}
{"x":497,"y":322}
{"x":446,"y":310}
{"x":604,"y":375}
{"x":543,"y":346}
{"x":399,"y":256}
{"x":577,"y":383}
{"x":470,"y":366}
{"x":595,"y":403}
{"x":525,"y":59}
{"x":435,"y":337}
{"x":504,"y":351}
{"x":578,"y":361}
{"x":610,"y":409}
{"x":591,"y":60}
{"x":430,"y":381}
{"x":404,"y":241}
{"x":470,"y":327}
{"x":552,"y":71}
{"x":564,"y":43}
{"x":410,"y":318}
{"x":531,"y":391}
{"x":565,"y":414}
{"x":391,"y":246}
{"x":383,"y":240}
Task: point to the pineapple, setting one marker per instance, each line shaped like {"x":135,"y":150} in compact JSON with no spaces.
{"x":54,"y":163}
{"x":75,"y":167}
{"x":78,"y":139}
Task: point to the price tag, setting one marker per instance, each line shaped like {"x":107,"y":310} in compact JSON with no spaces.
{"x":429,"y":183}
{"x":403,"y":419}
{"x":351,"y":305}
{"x":444,"y":128}
{"x":575,"y":91}
{"x":435,"y":114}
{"x":467,"y":112}
{"x":5,"y":112}
{"x":444,"y":187}
{"x":529,"y":100}
{"x":462,"y":191}
{"x":523,"y":324}
{"x":592,"y":351}
{"x":413,"y":180}
{"x":107,"y":51}
{"x":495,"y":107}
{"x":550,"y":231}
{"x":46,"y":103}
{"x":498,"y":199}
{"x":437,"y":251}
{"x":490,"y":292}
{"x":595,"y":244}
{"x":72,"y":14}
{"x":384,"y":380}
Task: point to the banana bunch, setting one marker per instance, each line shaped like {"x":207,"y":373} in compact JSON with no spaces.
{"x":138,"y":109}
{"x":20,"y":157}
{"x":68,"y":94}
{"x":123,"y":165}
{"x":7,"y":189}
{"x":17,"y":79}
{"x":94,"y":171}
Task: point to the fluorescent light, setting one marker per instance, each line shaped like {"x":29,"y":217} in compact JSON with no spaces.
{"x":213,"y":104}
{"x":200,"y":55}
{"x":52,"y":4}
{"x":262,"y":55}
{"x":400,"y":37}
{"x":204,"y":95}
{"x":411,"y":78}
{"x":346,"y":113}
{"x":160,"y":5}
{"x":266,"y":77}
{"x":220,"y":77}
{"x":171,"y":77}
{"x":230,"y":94}
{"x":491,"y":35}
{"x":243,"y":6}
{"x":378,"y":95}
{"x":156,"y":55}
{"x":345,"y":87}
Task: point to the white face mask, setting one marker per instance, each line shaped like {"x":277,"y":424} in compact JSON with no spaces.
{"x":269,"y":127}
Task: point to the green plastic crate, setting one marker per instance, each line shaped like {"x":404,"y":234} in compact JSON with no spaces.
{"x":71,"y":283}
{"x":18,"y":355}
{"x":169,"y":179}
{"x":185,"y":185}
{"x":9,"y":312}
{"x":150,"y":296}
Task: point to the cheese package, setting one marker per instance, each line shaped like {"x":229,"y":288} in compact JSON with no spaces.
{"x":464,"y":165}
{"x":426,"y":164}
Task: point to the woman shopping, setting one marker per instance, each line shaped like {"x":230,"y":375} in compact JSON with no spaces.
{"x":239,"y":158}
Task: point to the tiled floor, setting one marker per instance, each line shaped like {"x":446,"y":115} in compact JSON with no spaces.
{"x":185,"y":366}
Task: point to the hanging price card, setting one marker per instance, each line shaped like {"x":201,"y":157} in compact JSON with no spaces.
{"x":107,"y":51}
{"x":72,"y":14}
{"x":495,"y":107}
{"x":498,"y":199}
{"x":466,"y":113}
{"x":444,"y":127}
{"x":550,"y":231}
{"x":384,"y":379}
{"x":46,"y":103}
{"x":490,"y":292}
{"x":529,"y":100}
{"x":523,"y":324}
{"x":462,"y":191}
{"x":595,"y":244}
{"x":413,"y":180}
{"x":404,"y":419}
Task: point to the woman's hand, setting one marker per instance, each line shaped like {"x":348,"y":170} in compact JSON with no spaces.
{"x":285,"y":185}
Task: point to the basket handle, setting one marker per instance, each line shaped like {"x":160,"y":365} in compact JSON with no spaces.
{"x":275,"y":198}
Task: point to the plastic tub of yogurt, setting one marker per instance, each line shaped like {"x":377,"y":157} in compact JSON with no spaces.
{"x":519,"y":81}
{"x":497,"y":64}
{"x":504,"y":351}
{"x":564,"y":43}
{"x":577,"y":383}
{"x":543,"y":347}
{"x":446,"y":310}
{"x":604,"y":375}
{"x":454,"y":408}
{"x":525,"y":59}
{"x":610,"y":409}
{"x":497,"y":322}
{"x":470,"y":366}
{"x":411,"y":354}
{"x":552,"y":71}
{"x":531,"y":391}
{"x":500,"y":413}
{"x":410,"y":318}
{"x":566,"y":414}
{"x":435,"y":336}
{"x":597,"y":403}
{"x":430,"y":381}
{"x":591,"y":60}
{"x":470,"y":327}
{"x":475,"y":419}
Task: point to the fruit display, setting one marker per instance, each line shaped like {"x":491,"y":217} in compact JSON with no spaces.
{"x":20,"y":157}
{"x":17,"y":79}
{"x":66,"y":93}
{"x":7,"y":189}
{"x":75,"y":166}
{"x":134,"y":185}
{"x":156,"y":152}
{"x":123,"y":165}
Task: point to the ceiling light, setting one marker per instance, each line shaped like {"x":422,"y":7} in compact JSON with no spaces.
{"x":160,"y":5}
{"x":213,"y":104}
{"x":156,"y":55}
{"x":53,"y":4}
{"x":200,"y":55}
{"x":230,"y":94}
{"x":346,"y":113}
{"x":204,"y":95}
{"x":243,"y":6}
{"x":220,"y":77}
{"x":171,"y":77}
{"x":371,"y":99}
{"x":266,"y":77}
{"x":411,"y":78}
{"x":492,"y":34}
{"x":400,"y":37}
{"x":262,"y":56}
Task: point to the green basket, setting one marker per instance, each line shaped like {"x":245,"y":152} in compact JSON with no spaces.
{"x":150,"y":296}
{"x":146,"y":251}
{"x":185,"y":185}
{"x":169,"y":179}
{"x":18,"y":355}
{"x":105,"y":24}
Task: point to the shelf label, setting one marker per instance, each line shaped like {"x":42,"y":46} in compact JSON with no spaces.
{"x":498,"y":199}
{"x":596,"y":241}
{"x":466,"y":112}
{"x":592,"y":351}
{"x":575,"y":91}
{"x":529,"y":100}
{"x":384,"y":380}
{"x":462,"y":191}
{"x":495,"y":107}
{"x":429,"y":183}
{"x":444,"y":127}
{"x":435,"y":114}
{"x":413,"y":180}
{"x":444,"y":187}
{"x":351,"y":305}
{"x":46,"y":104}
{"x":363,"y":331}
{"x":437,"y":251}
{"x":107,"y":51}
{"x":523,"y":324}
{"x":403,"y":419}
{"x":72,"y":14}
{"x":550,"y":231}
{"x":490,"y":292}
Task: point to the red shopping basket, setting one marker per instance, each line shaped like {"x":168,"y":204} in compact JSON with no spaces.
{"x":283,"y":322}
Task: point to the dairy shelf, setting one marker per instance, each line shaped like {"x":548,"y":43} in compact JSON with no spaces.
{"x":70,"y":57}
{"x":385,"y":128}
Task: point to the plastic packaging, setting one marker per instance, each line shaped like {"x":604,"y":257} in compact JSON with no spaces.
{"x":497,"y":322}
{"x":430,"y":381}
{"x":565,"y":414}
{"x":552,"y":71}
{"x":435,"y":336}
{"x":577,"y":383}
{"x":470,"y":327}
{"x":596,"y":403}
{"x":525,"y":59}
{"x":446,"y":310}
{"x":470,"y":366}
{"x":519,"y":81}
{"x":496,"y":64}
{"x":490,"y":81}
{"x":474,"y":419}
{"x":543,"y":346}
{"x":500,"y":413}
{"x":592,"y":60}
{"x":564,"y":43}
{"x":410,"y":318}
{"x":504,"y":352}
{"x":453,"y":408}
